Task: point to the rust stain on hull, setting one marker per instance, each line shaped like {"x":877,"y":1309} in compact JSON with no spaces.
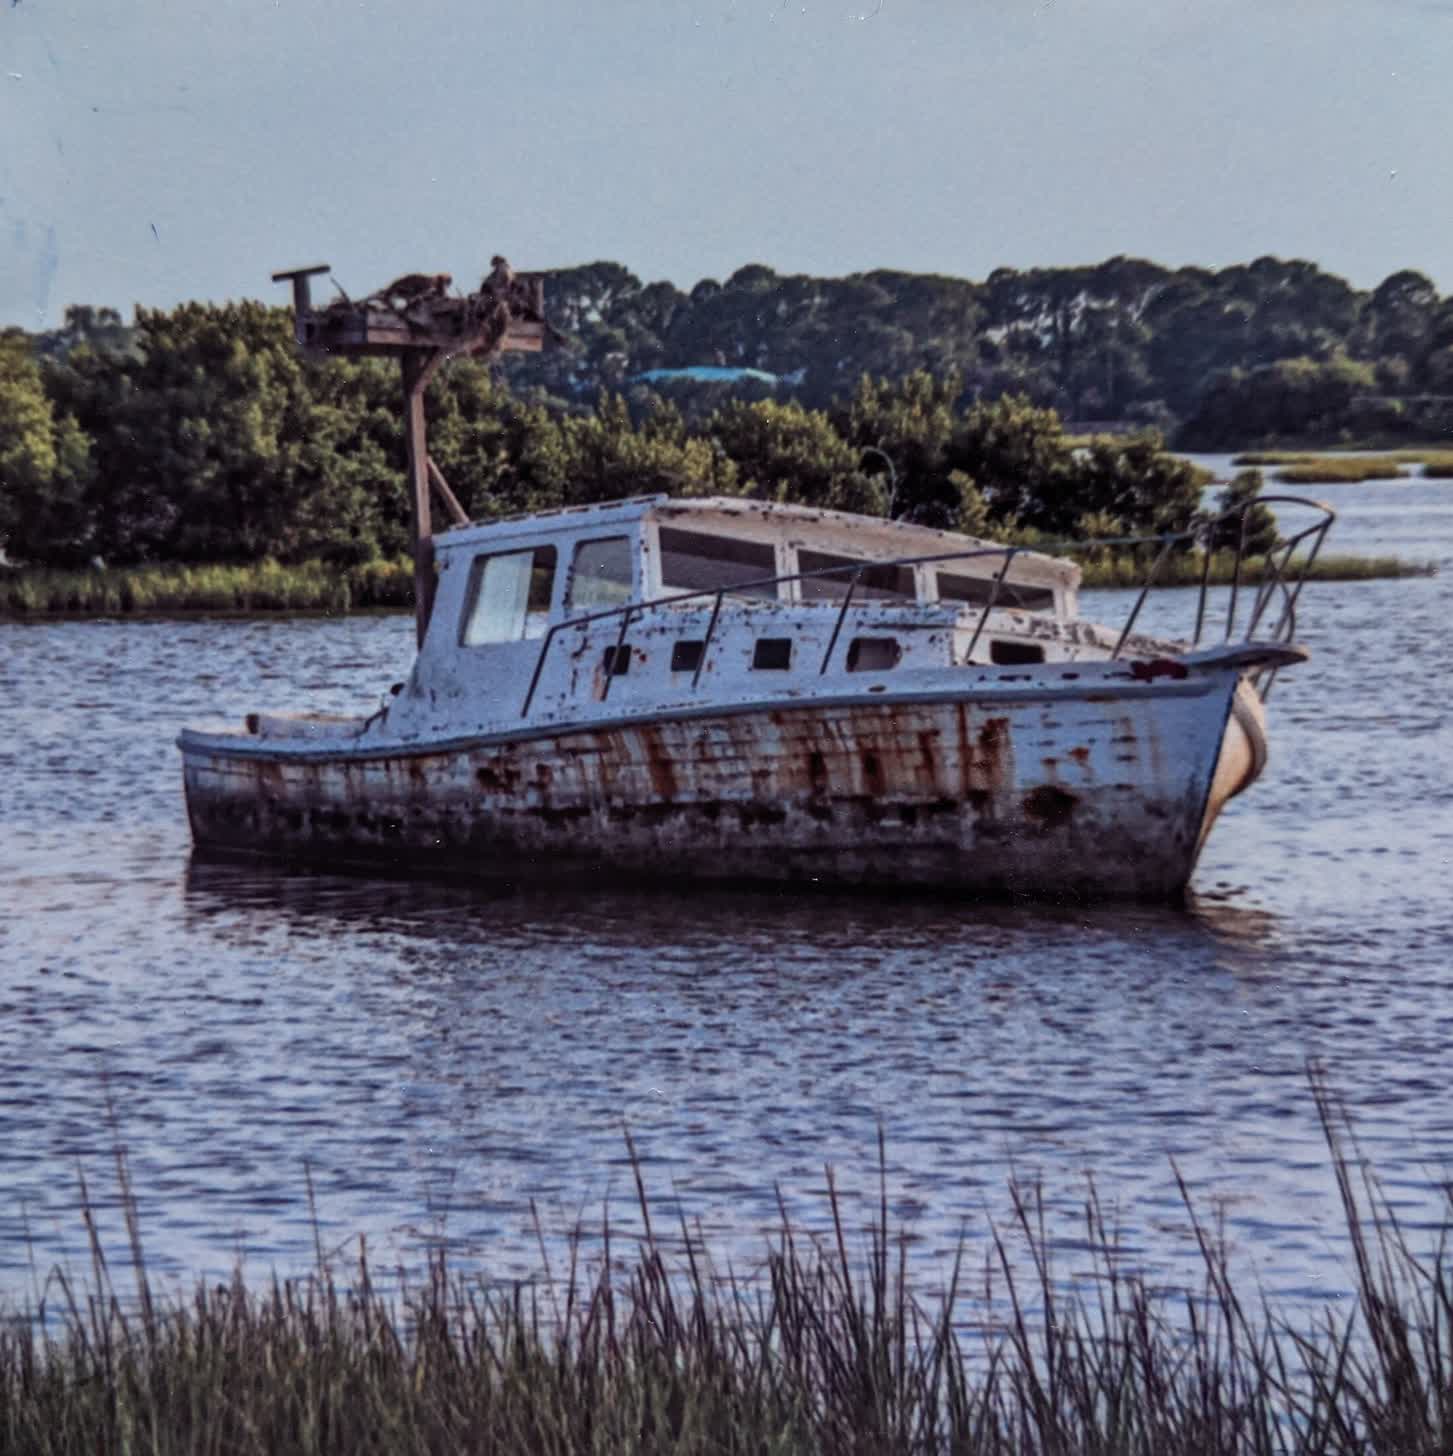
{"x":930,"y":794}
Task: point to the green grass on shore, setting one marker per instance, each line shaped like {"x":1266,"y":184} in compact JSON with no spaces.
{"x":1340,"y":472}
{"x":825,"y":1347}
{"x":1303,"y":467}
{"x":1402,"y":454}
{"x":265,"y":586}
{"x":318,"y":587}
{"x":1185,"y":570}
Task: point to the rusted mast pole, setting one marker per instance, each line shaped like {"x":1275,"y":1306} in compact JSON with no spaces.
{"x":416,"y":372}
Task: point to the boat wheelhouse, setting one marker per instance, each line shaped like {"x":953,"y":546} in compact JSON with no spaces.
{"x":727,"y":689}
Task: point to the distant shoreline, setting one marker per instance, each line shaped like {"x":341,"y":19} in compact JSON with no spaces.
{"x":1302,"y":467}
{"x":317,"y":589}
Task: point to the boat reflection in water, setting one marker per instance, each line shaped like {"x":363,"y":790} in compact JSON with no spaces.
{"x":246,"y":902}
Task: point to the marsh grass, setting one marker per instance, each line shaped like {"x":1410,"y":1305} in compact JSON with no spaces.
{"x":1124,"y":570}
{"x":318,"y":587}
{"x":265,"y":586}
{"x":1340,"y":472}
{"x":830,"y":1349}
{"x":1302,"y":467}
{"x":1410,"y":455}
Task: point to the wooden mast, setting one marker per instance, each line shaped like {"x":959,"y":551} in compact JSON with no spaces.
{"x":420,"y":322}
{"x":416,"y":371}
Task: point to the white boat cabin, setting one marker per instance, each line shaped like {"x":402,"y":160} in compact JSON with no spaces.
{"x":655,"y":546}
{"x":732,"y":598}
{"x":530,"y":571}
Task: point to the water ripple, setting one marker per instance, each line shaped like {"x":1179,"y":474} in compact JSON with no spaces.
{"x":437,"y":1059}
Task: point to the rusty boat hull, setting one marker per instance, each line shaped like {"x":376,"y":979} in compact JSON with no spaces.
{"x":1088,"y":795}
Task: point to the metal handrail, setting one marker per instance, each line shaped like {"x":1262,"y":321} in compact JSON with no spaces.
{"x":1274,"y":578}
{"x":989,"y":605}
{"x":837,"y":626}
{"x":641,"y":608}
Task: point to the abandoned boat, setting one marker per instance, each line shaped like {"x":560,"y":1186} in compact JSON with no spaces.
{"x":725,"y":689}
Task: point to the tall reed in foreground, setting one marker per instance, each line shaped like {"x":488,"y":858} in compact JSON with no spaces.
{"x":825,"y":1352}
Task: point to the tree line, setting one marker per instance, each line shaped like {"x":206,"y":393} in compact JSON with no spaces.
{"x":1270,"y":351}
{"x":199,"y":433}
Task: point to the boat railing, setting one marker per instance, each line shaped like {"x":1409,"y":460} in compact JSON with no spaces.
{"x":1280,"y":579}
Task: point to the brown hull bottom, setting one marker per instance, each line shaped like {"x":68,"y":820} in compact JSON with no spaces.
{"x":1062,"y":799}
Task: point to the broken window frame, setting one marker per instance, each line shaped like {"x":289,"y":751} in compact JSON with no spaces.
{"x":834,"y":588}
{"x":733,"y":572}
{"x":1012,"y":595}
{"x":516,"y":615}
{"x":616,"y":593}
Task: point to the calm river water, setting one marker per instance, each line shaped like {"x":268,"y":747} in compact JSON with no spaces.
{"x":440,"y":1059}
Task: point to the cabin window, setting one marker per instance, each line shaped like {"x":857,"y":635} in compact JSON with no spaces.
{"x":773,"y":654}
{"x":874,"y":654}
{"x":878,"y":583}
{"x":686,"y":654}
{"x":1007,"y":652}
{"x":600,"y":575}
{"x":508,"y":599}
{"x":698,"y":561}
{"x":617,"y":660}
{"x":953,"y":587}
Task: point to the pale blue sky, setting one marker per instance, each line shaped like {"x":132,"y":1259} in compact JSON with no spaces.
{"x":159,"y":150}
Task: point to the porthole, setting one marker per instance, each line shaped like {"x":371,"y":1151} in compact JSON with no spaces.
{"x":874,"y":654}
{"x":1008,"y":653}
{"x":686,"y":655}
{"x":772,"y":654}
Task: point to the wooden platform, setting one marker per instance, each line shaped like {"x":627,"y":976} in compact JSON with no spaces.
{"x":418,"y":315}
{"x":450,"y":324}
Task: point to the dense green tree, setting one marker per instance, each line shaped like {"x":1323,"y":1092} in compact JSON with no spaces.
{"x":101,"y":329}
{"x":200,"y":461}
{"x":345,"y":456}
{"x":1074,"y":337}
{"x":1297,"y":310}
{"x":580,"y":297}
{"x":1259,"y":533}
{"x":1195,"y":331}
{"x":1128,"y":479}
{"x":1435,"y":374}
{"x":1289,"y":399}
{"x":1019,"y":459}
{"x":605,"y":457}
{"x":44,"y":465}
{"x":1398,"y":320}
{"x":201,"y":434}
{"x":907,"y":427}
{"x":1123,"y":340}
{"x":785,"y":452}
